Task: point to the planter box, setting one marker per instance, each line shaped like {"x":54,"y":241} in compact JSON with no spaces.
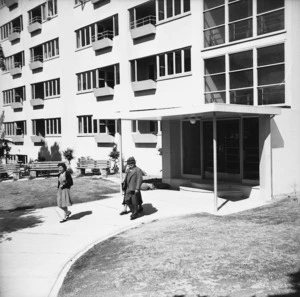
{"x":36,"y":65}
{"x":106,"y":91}
{"x":18,"y":138}
{"x":102,"y":43}
{"x":104,"y":138}
{"x":34,"y":27}
{"x":144,"y":138}
{"x":14,"y":36}
{"x":37,"y":102}
{"x":16,"y":105}
{"x":142,"y":31}
{"x":10,"y":3}
{"x":37,"y":139}
{"x":143,"y":85}
{"x":15,"y":71}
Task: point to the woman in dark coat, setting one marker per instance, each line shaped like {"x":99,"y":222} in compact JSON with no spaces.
{"x":132,"y":188}
{"x":65,"y":182}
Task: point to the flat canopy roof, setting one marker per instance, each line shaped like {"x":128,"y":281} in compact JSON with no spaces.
{"x":197,"y":111}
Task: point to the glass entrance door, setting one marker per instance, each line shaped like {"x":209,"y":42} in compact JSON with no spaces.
{"x":228,"y":149}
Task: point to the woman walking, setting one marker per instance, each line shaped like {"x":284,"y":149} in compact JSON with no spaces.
{"x":65,"y":182}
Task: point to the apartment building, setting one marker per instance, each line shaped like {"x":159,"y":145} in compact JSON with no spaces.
{"x":200,"y":90}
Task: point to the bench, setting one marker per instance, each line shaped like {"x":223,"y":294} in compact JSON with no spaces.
{"x":102,"y":165}
{"x":10,"y":168}
{"x":47,"y":167}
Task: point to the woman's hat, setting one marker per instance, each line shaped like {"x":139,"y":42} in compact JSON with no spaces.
{"x":130,"y":160}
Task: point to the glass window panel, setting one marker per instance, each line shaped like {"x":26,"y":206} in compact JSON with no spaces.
{"x":242,"y":97}
{"x":271,"y":95}
{"x":178,"y":61}
{"x":186,"y":5}
{"x":212,"y":3}
{"x":187,"y":60}
{"x":89,"y":124}
{"x":270,"y":55}
{"x":270,"y":22}
{"x":191,"y":148}
{"x":214,"y":36}
{"x":89,"y":80}
{"x":215,"y":65}
{"x":241,"y":79}
{"x":102,"y":126}
{"x":215,"y":83}
{"x":111,"y":127}
{"x":241,"y":60}
{"x":214,"y":18}
{"x":240,"y":10}
{"x":177,"y":4}
{"x":219,"y":97}
{"x":169,"y":8}
{"x":59,"y":127}
{"x":240,"y":30}
{"x":162,"y":66}
{"x":95,"y":126}
{"x":170,"y":63}
{"x":161,"y":10}
{"x":271,"y":75}
{"x":267,"y":5}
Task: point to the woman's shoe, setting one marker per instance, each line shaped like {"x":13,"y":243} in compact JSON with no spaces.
{"x":123,"y":212}
{"x":68,"y":214}
{"x":63,"y":220}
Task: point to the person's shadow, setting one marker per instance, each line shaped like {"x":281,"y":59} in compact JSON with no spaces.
{"x":148,"y":209}
{"x":78,"y":216}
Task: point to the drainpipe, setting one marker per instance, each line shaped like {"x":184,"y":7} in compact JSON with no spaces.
{"x":215,"y":162}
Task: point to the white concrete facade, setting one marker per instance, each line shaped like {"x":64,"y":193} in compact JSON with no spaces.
{"x":279,"y":150}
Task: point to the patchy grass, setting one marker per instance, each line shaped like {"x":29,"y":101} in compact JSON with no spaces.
{"x":38,"y":193}
{"x":253,"y":253}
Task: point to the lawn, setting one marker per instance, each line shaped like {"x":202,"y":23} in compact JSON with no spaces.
{"x":37,"y":193}
{"x":252,"y":253}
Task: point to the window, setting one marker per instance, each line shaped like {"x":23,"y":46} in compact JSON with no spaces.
{"x":85,"y":124}
{"x":16,"y":25}
{"x":105,"y":127}
{"x":269,"y":17}
{"x":107,"y":28}
{"x":144,"y":127}
{"x":243,"y":89}
{"x":10,"y":129}
{"x":53,"y":126}
{"x":99,"y":78}
{"x":14,"y":61}
{"x":46,"y":89}
{"x":175,"y":62}
{"x":51,"y":8}
{"x":172,"y":8}
{"x":14,"y":95}
{"x":15,"y":128}
{"x":45,"y":51}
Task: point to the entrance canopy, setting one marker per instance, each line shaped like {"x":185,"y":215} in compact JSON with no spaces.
{"x":197,"y":111}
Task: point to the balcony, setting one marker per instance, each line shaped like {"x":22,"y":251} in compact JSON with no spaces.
{"x":10,"y":3}
{"x":37,"y":102}
{"x":144,"y":138}
{"x":37,"y":139}
{"x":16,"y":69}
{"x":143,"y":85}
{"x":102,"y":92}
{"x":36,"y":62}
{"x":16,"y":105}
{"x":143,"y":27}
{"x":35,"y":24}
{"x":14,"y":34}
{"x":103,"y":40}
{"x":104,"y":138}
{"x":18,"y":138}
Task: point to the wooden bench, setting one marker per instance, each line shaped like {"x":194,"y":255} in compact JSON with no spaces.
{"x":102,"y":165}
{"x":10,"y":168}
{"x":48,"y":167}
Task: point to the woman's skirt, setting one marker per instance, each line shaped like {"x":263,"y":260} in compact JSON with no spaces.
{"x":63,"y":198}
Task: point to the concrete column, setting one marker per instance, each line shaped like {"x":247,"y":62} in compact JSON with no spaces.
{"x":265,"y":162}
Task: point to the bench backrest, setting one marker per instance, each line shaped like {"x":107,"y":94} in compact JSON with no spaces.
{"x":94,"y":163}
{"x":9,"y":167}
{"x":53,"y":165}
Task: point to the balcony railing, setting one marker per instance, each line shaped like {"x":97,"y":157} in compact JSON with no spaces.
{"x":151,"y":19}
{"x":35,"y":24}
{"x":103,"y":40}
{"x":16,"y":68}
{"x":36,"y":62}
{"x":143,"y":27}
{"x":14,"y":34}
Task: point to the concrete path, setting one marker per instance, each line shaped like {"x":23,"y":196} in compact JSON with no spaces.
{"x":35,"y":260}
